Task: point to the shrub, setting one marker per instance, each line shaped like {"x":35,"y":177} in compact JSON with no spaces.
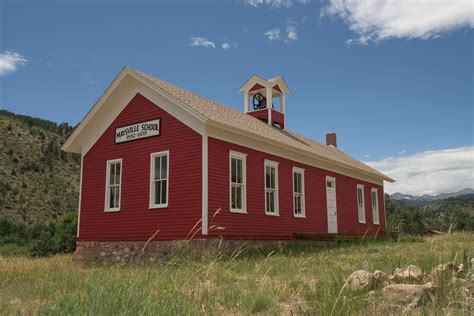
{"x":43,"y":246}
{"x":65,"y":233}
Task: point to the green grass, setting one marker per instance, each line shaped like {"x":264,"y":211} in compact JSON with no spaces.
{"x":297,"y":279}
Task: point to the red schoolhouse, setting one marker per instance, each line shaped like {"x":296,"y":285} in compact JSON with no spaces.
{"x":156,"y":157}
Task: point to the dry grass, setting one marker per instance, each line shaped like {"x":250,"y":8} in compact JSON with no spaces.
{"x":294,"y":279}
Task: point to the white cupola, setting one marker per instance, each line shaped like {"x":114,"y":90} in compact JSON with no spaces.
{"x":265,"y":99}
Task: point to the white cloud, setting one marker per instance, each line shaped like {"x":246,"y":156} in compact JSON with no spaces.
{"x":275,"y":3}
{"x":429,"y":172}
{"x":385,"y":19}
{"x":228,"y":45}
{"x":367,"y":155}
{"x":402,"y":152}
{"x":9,"y":62}
{"x":291,"y":34}
{"x":273,"y":34}
{"x":201,"y":42}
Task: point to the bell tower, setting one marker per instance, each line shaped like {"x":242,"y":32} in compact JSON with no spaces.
{"x":265,"y":99}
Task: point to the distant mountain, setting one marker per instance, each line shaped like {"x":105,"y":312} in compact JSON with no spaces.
{"x":427,"y":199}
{"x":38,"y":181}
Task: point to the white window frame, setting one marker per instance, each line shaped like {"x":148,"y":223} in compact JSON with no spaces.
{"x":375,"y":207}
{"x":273,"y":164}
{"x":361,"y":207}
{"x":107,"y":176}
{"x":243,"y":157}
{"x":152,"y":179}
{"x":303,"y":195}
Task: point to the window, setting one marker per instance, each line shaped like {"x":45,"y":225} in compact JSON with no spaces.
{"x":298,"y":192}
{"x":329,"y":183}
{"x":271,"y":188}
{"x":113,"y":185}
{"x":159,"y":179}
{"x":361,"y":203}
{"x":237,"y":182}
{"x":375,"y":206}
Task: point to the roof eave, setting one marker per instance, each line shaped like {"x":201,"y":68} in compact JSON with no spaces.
{"x":297,"y":150}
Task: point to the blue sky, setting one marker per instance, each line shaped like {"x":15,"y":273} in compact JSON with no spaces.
{"x":394,"y":82}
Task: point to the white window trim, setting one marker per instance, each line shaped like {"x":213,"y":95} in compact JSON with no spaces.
{"x":152,"y":205}
{"x":273,"y":164}
{"x":375,"y":209}
{"x":303,"y":202}
{"x":107,"y":175}
{"x":333,"y":179}
{"x":361,"y":186}
{"x":243,"y":157}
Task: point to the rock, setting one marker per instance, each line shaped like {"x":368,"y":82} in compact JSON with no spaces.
{"x":361,"y":280}
{"x":409,"y":273}
{"x":410,"y":294}
{"x":380,"y":276}
{"x":443,"y":271}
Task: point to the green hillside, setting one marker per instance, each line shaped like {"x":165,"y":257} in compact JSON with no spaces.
{"x":38,"y":181}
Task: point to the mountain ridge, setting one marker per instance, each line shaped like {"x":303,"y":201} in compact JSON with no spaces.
{"x":426,"y":198}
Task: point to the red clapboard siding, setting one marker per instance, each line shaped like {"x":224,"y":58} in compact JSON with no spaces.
{"x":135,"y":221}
{"x":256,"y":225}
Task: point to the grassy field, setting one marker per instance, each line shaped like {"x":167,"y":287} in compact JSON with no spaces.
{"x":294,"y":279}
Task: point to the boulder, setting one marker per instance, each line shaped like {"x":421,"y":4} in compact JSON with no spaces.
{"x":380,"y":276}
{"x":443,"y":271}
{"x":409,"y":273}
{"x":361,"y":280}
{"x":406,"y":294}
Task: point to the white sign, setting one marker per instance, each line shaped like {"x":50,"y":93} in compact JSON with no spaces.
{"x":137,"y":131}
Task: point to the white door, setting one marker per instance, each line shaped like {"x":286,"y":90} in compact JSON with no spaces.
{"x":331,"y":204}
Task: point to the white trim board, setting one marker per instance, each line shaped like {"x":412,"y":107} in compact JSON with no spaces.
{"x":273,"y":164}
{"x":122,"y":90}
{"x":80,"y":197}
{"x":243,"y":157}
{"x":163,"y":153}
{"x":107,"y":175}
{"x":205,"y":186}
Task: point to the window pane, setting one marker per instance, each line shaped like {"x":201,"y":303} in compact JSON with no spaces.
{"x":156,"y":193}
{"x":298,"y":204}
{"x":267,"y":197}
{"x":164,"y":185}
{"x":267,"y":177}
{"x":232,"y":197}
{"x":272,"y":177}
{"x":295,"y":180}
{"x":239,"y":171}
{"x":117,"y":173}
{"x":117,"y":196}
{"x":111,"y":197}
{"x":157,"y":168}
{"x":164,"y":167}
{"x":111,"y":173}
{"x":238,"y":194}
{"x":233,"y":165}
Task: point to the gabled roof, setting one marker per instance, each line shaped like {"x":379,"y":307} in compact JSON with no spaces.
{"x":228,"y":116}
{"x":279,"y":81}
{"x":213,"y":113}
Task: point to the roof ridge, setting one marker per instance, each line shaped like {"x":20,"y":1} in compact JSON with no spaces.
{"x":183,"y":89}
{"x":234,"y":118}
